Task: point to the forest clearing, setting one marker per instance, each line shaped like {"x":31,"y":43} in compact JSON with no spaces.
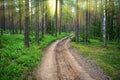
{"x":59,"y":39}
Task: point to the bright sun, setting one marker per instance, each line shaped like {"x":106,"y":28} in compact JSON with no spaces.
{"x":52,"y":6}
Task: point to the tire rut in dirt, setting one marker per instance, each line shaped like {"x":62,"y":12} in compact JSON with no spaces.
{"x":59,"y":64}
{"x":65,"y":70}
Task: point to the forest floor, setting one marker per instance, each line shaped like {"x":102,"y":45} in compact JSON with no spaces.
{"x":18,"y":62}
{"x":62,"y":62}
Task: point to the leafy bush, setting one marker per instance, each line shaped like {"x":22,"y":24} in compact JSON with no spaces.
{"x":73,"y":39}
{"x":12,"y":71}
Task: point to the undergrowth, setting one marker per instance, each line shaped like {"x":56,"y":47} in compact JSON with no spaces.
{"x":107,"y":58}
{"x":16,"y":61}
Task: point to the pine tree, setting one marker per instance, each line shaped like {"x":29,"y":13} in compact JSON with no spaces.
{"x":26,"y":30}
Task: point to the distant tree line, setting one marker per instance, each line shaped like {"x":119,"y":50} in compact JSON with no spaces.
{"x":32,"y":17}
{"x":99,"y":19}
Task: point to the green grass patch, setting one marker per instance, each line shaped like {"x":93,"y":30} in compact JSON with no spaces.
{"x":16,"y":61}
{"x":107,"y":58}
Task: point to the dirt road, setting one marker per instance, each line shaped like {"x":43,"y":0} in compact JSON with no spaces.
{"x":58,"y":63}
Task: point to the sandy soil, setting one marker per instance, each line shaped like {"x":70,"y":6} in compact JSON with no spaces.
{"x":61,"y":62}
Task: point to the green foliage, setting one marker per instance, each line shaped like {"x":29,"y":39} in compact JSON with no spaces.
{"x":95,"y":30}
{"x":16,"y":62}
{"x":107,"y":58}
{"x":13,"y":71}
{"x":73,"y":39}
{"x":25,"y":60}
{"x":0,"y":42}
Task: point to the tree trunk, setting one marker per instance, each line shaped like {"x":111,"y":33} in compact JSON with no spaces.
{"x":56,"y":12}
{"x":86,"y":26}
{"x":118,"y":31}
{"x":43,"y":21}
{"x":46,"y":19}
{"x":1,"y":31}
{"x":77,"y":25}
{"x":12,"y":23}
{"x":60,"y":29}
{"x":2,"y":16}
{"x":104,"y":25}
{"x":26,"y":31}
{"x":20,"y":16}
{"x":12,"y":15}
{"x":9,"y":15}
{"x":37,"y":22}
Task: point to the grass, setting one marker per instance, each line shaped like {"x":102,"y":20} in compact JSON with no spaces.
{"x":16,"y":62}
{"x":107,"y":58}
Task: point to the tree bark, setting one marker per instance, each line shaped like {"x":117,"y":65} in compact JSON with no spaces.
{"x":26,"y":31}
{"x":37,"y":22}
{"x":77,"y":24}
{"x":118,"y":31}
{"x":43,"y":21}
{"x":86,"y":26}
{"x":56,"y":12}
{"x":12,"y":16}
{"x":20,"y":16}
{"x":2,"y":16}
{"x":60,"y":29}
{"x":104,"y":25}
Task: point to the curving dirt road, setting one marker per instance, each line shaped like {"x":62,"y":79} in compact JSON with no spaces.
{"x":58,"y":63}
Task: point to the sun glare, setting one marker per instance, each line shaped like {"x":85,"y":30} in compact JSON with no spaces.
{"x":52,"y":6}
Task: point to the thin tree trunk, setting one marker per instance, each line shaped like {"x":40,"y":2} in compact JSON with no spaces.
{"x":12,"y":23}
{"x":46,"y":18}
{"x":60,"y":29}
{"x":43,"y":21}
{"x":12,"y":15}
{"x":37,"y":22}
{"x":118,"y":31}
{"x":95,"y":19}
{"x":1,"y":31}
{"x":20,"y":16}
{"x":86,"y":26}
{"x":9,"y":15}
{"x":2,"y":16}
{"x":26,"y":31}
{"x":56,"y":25}
{"x":77,"y":25}
{"x":104,"y":25}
